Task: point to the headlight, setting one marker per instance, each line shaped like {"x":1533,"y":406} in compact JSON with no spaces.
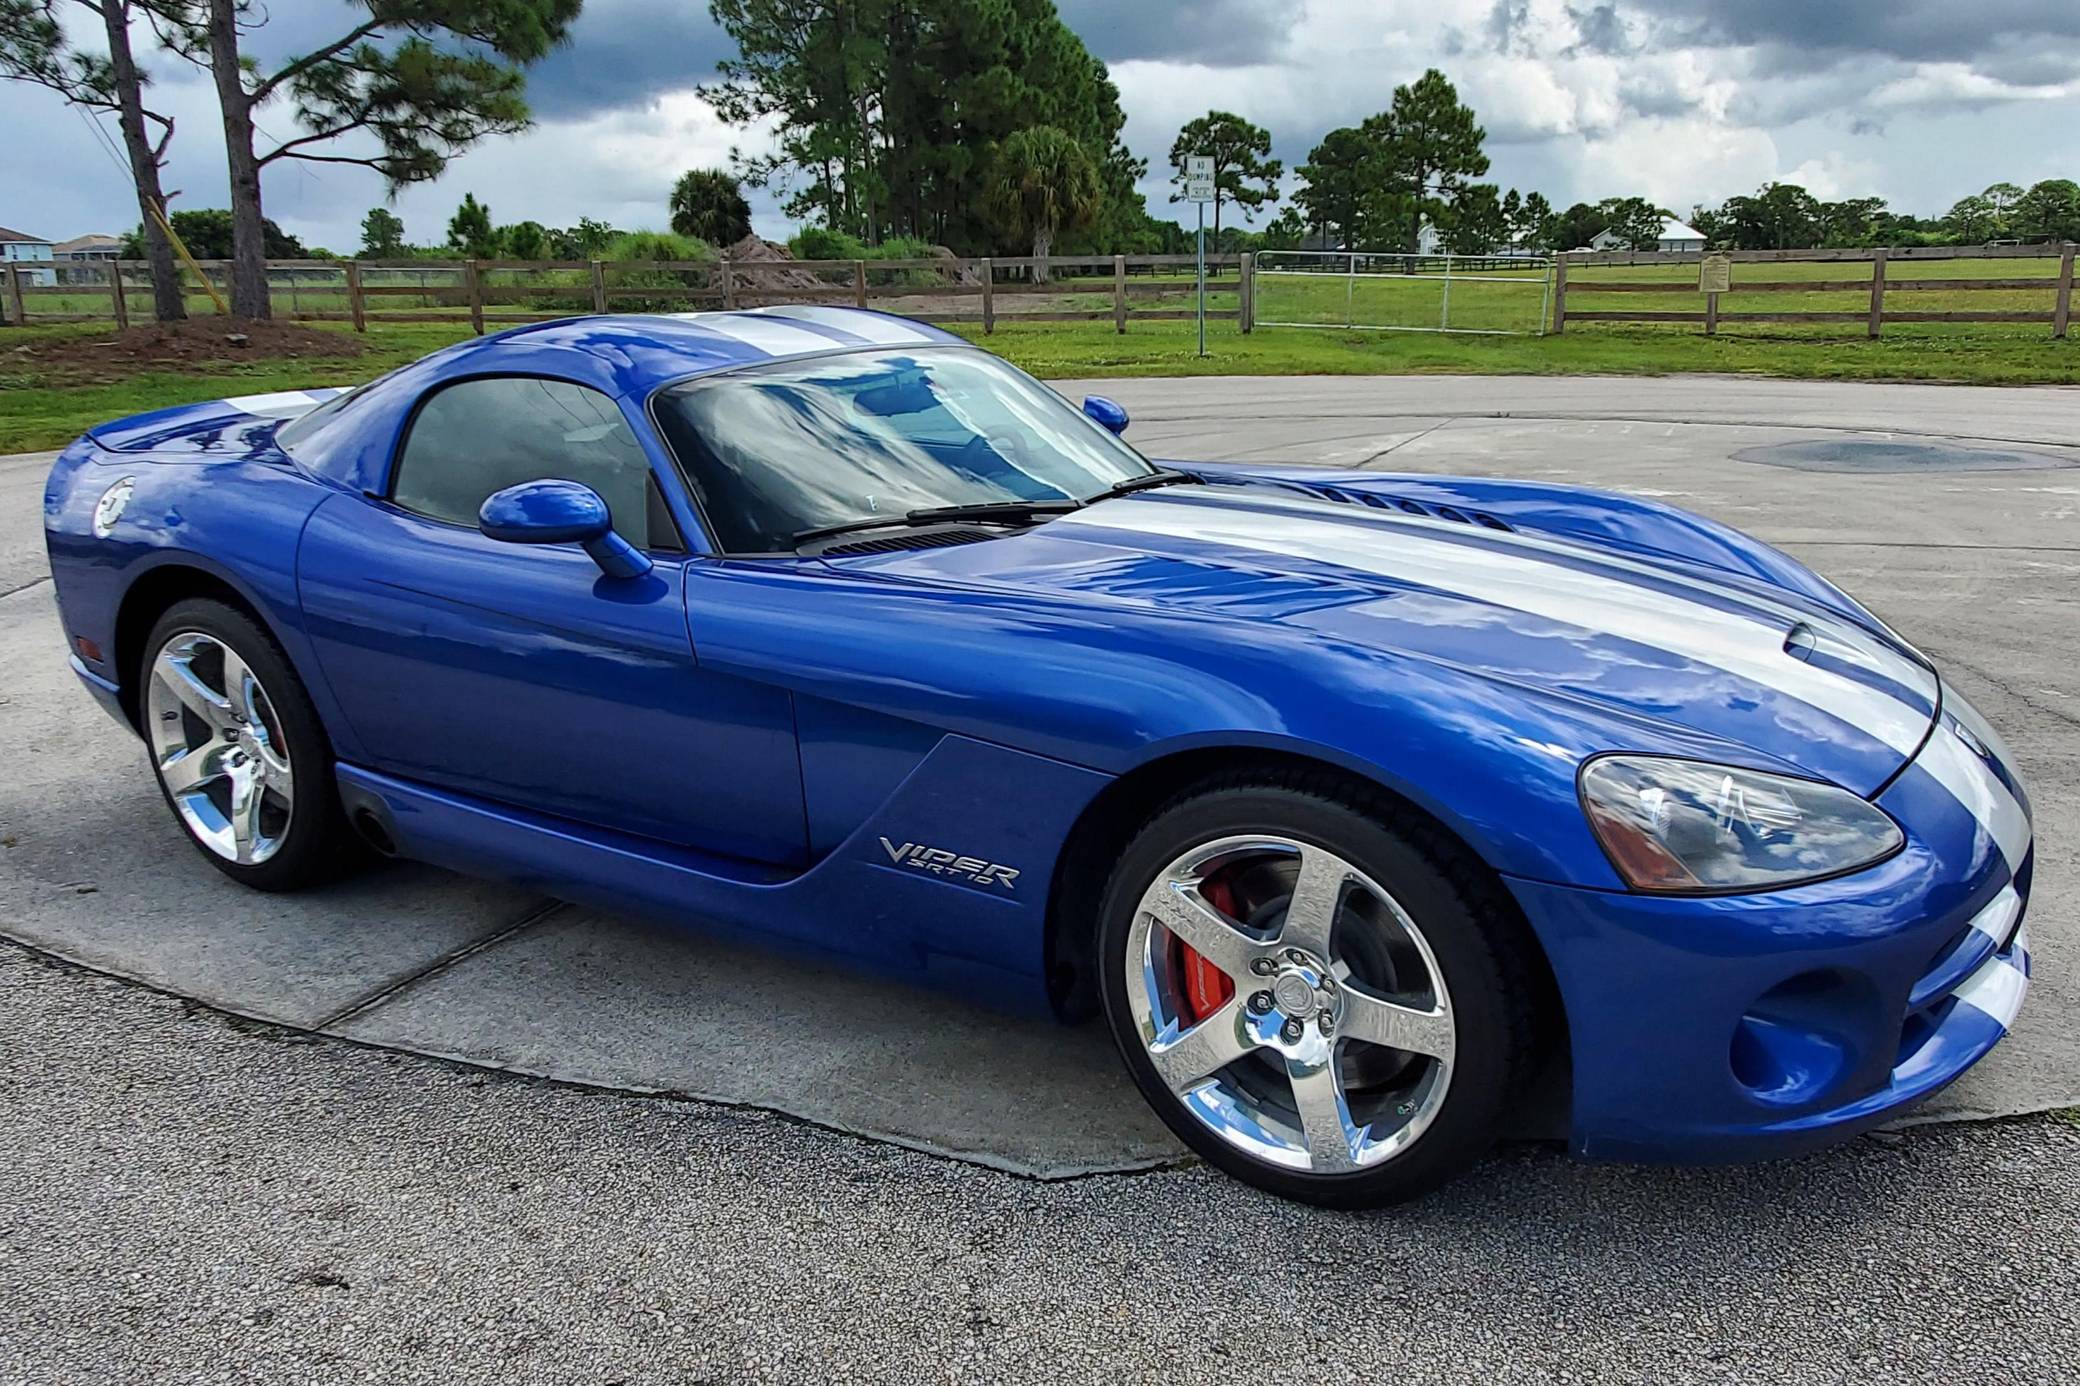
{"x":1687,"y":826}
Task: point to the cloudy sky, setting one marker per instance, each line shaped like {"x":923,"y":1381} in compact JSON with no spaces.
{"x":1680,"y":101}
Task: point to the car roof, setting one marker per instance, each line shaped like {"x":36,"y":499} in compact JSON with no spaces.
{"x":644,"y":350}
{"x":626,"y":355}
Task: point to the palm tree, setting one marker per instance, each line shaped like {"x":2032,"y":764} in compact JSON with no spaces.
{"x":709,"y":204}
{"x":1044,"y":182}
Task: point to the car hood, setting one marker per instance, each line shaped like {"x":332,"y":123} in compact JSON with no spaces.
{"x":1687,"y":645}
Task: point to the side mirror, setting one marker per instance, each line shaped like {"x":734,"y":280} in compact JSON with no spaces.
{"x":561,"y":512}
{"x":1105,"y":413}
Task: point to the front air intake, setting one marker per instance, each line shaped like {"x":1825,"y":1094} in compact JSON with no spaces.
{"x":1345,"y":496}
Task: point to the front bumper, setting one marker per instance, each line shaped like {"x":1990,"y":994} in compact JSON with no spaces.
{"x":1747,"y":1026}
{"x":105,"y":691}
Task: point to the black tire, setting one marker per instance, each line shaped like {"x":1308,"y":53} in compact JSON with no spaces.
{"x":318,"y":843}
{"x":1472,"y":929}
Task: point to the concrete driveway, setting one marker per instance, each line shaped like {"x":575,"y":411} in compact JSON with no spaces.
{"x":165,"y":1143}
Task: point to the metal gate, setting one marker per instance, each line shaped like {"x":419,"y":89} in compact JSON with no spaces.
{"x":1367,"y":291}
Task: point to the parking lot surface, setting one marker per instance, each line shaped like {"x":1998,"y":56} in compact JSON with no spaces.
{"x":192,"y":1184}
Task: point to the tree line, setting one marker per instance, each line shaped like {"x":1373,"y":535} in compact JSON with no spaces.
{"x":408,"y":84}
{"x":982,"y":126}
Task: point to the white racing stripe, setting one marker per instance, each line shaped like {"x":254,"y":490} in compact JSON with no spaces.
{"x":2001,"y":982}
{"x":282,"y":404}
{"x":871,"y":328}
{"x":1518,"y":579}
{"x":1953,"y":765}
{"x":769,"y":334}
{"x":1844,"y":640}
{"x":1998,"y":917}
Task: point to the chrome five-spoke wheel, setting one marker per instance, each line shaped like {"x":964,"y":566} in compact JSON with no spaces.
{"x":1290,"y":1004}
{"x":219,"y":747}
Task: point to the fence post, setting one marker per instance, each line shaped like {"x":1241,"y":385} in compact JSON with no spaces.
{"x":729,"y":285}
{"x":1119,"y":293}
{"x":1559,"y":293}
{"x":14,"y":295}
{"x":1350,"y":293}
{"x":115,"y":290}
{"x":859,"y":282}
{"x":599,"y":287}
{"x":2062,"y":314}
{"x":1878,"y":291}
{"x":476,"y":296}
{"x":1711,"y":314}
{"x":989,"y":296}
{"x":355,"y":302}
{"x":1246,"y":297}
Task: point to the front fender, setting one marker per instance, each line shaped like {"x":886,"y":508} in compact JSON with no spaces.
{"x":1114,"y":687}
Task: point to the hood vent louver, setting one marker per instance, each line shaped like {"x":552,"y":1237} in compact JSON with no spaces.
{"x":1406,"y":506}
{"x":908,"y":539}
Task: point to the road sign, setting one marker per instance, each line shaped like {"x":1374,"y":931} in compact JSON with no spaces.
{"x":1198,"y":187}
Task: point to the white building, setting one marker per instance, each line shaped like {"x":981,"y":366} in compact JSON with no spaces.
{"x":92,"y":249}
{"x":19,"y":248}
{"x":1680,"y":236}
{"x":1675,"y":237}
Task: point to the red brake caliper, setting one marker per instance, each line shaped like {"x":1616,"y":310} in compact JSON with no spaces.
{"x":1206,"y":987}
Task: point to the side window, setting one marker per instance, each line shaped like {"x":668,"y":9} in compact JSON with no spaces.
{"x":480,"y":436}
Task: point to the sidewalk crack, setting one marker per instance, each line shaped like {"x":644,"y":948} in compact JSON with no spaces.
{"x":391,"y":990}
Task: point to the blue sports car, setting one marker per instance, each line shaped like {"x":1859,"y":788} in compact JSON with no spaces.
{"x":1366,"y":808}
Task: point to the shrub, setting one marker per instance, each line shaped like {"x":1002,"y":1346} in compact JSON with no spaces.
{"x":822,"y":243}
{"x":657,"y":245}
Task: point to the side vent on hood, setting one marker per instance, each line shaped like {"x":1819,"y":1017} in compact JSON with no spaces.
{"x":908,"y":539}
{"x":1401,"y":503}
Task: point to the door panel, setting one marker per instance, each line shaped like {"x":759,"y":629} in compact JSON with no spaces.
{"x":519,"y":673}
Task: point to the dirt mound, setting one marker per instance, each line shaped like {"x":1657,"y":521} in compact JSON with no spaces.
{"x":196,"y":342}
{"x":762,"y":267}
{"x":953,"y":269}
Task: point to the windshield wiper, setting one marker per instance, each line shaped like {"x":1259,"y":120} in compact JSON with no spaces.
{"x":1009,"y":512}
{"x":1143,"y":483}
{"x":1004,"y":512}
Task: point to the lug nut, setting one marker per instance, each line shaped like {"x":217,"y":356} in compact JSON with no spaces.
{"x":1263,"y":967}
{"x":1296,"y":957}
{"x":1328,"y":1023}
{"x":1292,"y":1031}
{"x":1260,"y":1002}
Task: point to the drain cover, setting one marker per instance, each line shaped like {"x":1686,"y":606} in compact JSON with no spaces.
{"x":1898,"y":455}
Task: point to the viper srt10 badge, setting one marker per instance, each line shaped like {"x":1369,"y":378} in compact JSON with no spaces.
{"x":941,"y":862}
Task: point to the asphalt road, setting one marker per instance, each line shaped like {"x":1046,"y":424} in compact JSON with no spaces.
{"x":195,"y":1200}
{"x":199,"y":1198}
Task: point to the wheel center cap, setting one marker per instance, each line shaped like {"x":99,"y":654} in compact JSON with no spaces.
{"x":1294,"y":994}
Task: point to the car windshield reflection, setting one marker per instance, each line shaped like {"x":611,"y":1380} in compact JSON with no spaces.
{"x":774,"y":452}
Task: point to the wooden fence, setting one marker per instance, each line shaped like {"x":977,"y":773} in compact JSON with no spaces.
{"x":1879,"y":289}
{"x":1123,"y":289}
{"x":1059,"y":288}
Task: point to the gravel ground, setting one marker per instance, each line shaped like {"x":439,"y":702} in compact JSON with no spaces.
{"x":201,"y":1200}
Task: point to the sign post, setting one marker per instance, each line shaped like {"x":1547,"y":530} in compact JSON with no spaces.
{"x":1198,"y":187}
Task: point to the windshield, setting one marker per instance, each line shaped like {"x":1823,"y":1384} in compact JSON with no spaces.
{"x":781,"y":449}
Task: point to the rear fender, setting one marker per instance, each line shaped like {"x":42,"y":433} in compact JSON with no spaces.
{"x":235,"y":522}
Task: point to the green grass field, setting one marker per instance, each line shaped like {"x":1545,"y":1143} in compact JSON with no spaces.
{"x":46,"y":408}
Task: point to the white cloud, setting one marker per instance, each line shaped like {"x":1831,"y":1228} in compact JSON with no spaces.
{"x":1676,"y":100}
